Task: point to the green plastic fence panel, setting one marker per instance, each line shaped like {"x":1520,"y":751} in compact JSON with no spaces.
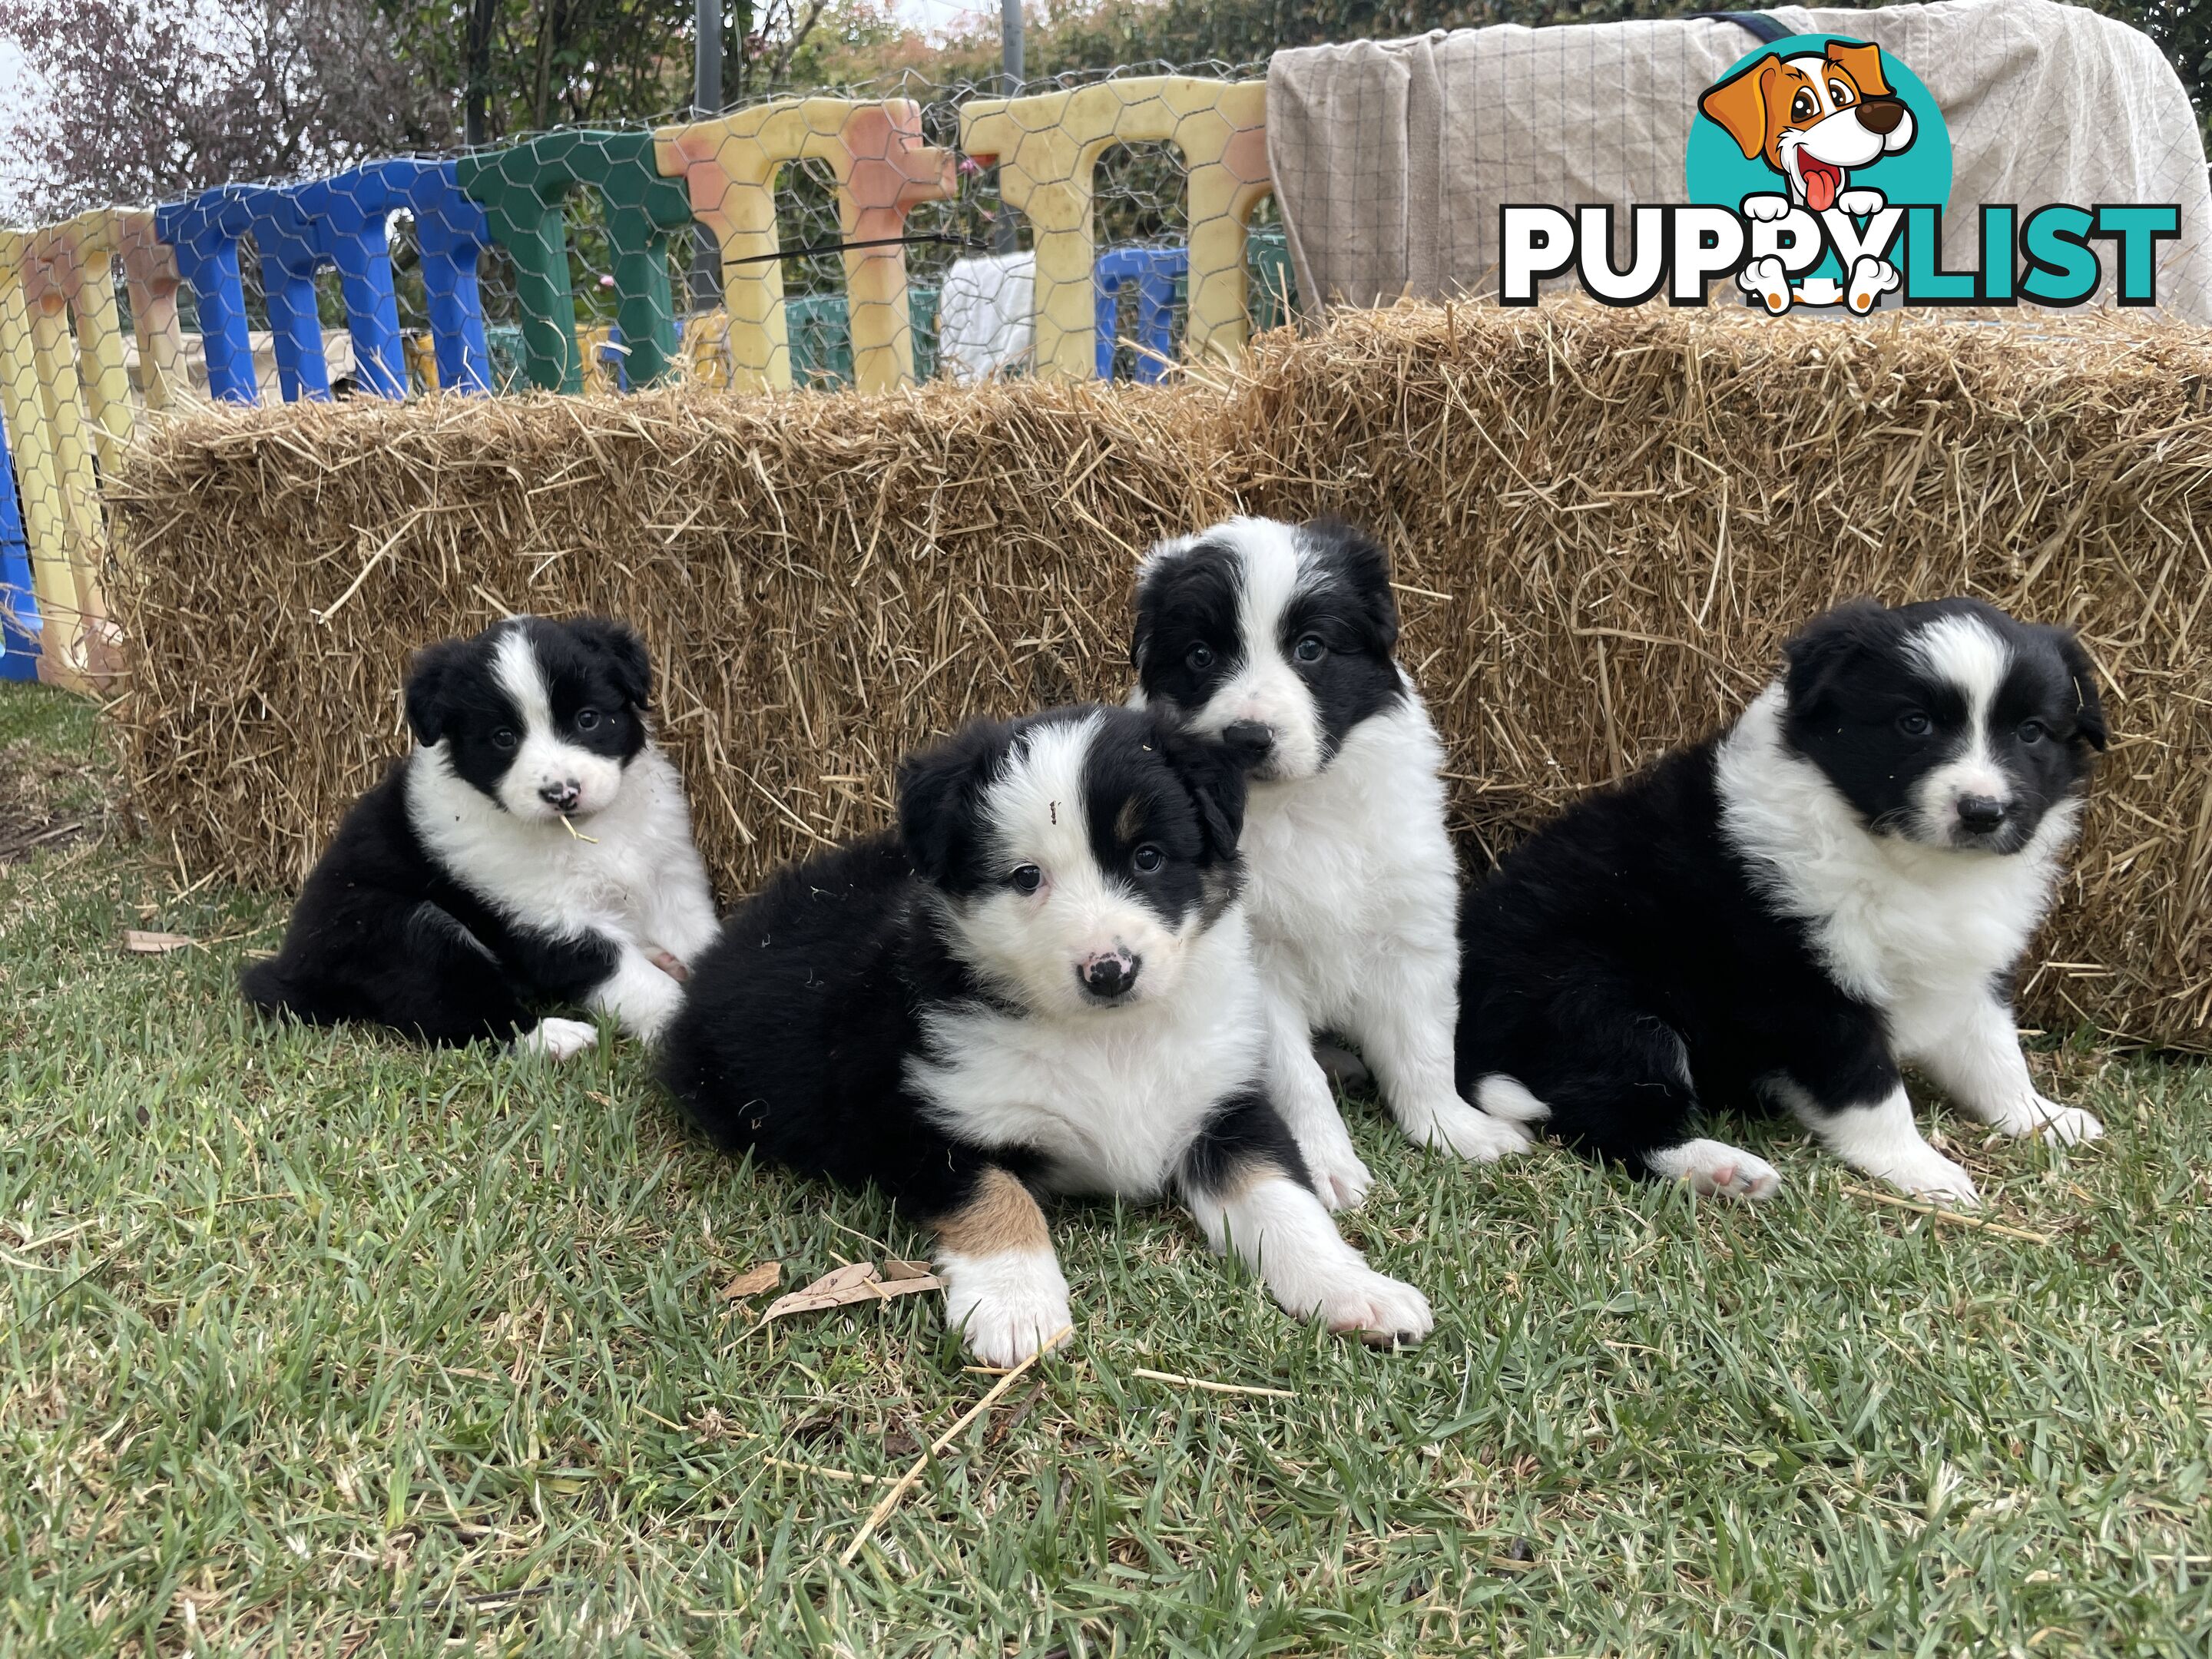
{"x":510,"y":363}
{"x":1272,"y":286}
{"x":921,"y":318}
{"x":523,"y":188}
{"x":821,"y":334}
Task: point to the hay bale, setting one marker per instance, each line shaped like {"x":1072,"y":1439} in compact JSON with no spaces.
{"x":1606,"y":521}
{"x":1604,"y":524}
{"x":824,"y":582}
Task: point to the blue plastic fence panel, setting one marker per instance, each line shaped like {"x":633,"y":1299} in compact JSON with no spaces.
{"x":349,"y":214}
{"x":1155,"y":270}
{"x":452,"y":233}
{"x":291,"y":247}
{"x":204,"y":231}
{"x":19,"y":610}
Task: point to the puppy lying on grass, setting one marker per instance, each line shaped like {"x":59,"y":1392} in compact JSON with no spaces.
{"x":1042,"y":982}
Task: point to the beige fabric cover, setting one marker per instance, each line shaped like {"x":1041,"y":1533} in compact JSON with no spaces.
{"x":1391,"y":159}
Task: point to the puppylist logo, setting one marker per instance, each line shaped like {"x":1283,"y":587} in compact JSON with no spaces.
{"x":1819,"y":171}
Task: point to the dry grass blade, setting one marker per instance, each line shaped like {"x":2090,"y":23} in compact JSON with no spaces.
{"x":1210,"y":1386}
{"x":1952,"y":1217}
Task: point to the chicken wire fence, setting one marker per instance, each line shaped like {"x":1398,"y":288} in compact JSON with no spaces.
{"x":1122,"y":224}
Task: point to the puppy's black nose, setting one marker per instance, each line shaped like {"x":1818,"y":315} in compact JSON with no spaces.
{"x":1881,"y":114}
{"x":1255,"y":737}
{"x":1110,"y":975}
{"x":1979,"y":814}
{"x":561,"y":796}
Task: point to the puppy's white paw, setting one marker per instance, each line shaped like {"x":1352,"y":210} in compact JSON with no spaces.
{"x":1005,"y":1306}
{"x":1765,"y":279}
{"x":1380,"y":1310}
{"x":1716,"y":1169}
{"x":1861,"y":202}
{"x":2059,"y":1126}
{"x":1870,"y":279}
{"x":558,"y":1039}
{"x":1930,"y":1176}
{"x":1454,"y":1127}
{"x":1340,"y":1178}
{"x":1766,"y":208}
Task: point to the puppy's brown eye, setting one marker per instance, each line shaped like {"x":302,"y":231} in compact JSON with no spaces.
{"x":1025,"y":878}
{"x":1199,"y":659}
{"x":1802,"y":107}
{"x":503,"y":738}
{"x":1147,"y":858}
{"x":1840,"y":93}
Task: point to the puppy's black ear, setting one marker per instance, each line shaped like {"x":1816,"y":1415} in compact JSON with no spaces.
{"x":1369,"y":568}
{"x":1213,"y":771}
{"x":2088,"y":708}
{"x":937,"y":793}
{"x":429,"y":681}
{"x":625,"y":653}
{"x":1824,"y":650}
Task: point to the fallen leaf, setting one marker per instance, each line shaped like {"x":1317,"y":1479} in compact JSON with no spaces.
{"x":895,"y":1269}
{"x":859,"y":1281}
{"x":153,"y":945}
{"x":753,"y":1280}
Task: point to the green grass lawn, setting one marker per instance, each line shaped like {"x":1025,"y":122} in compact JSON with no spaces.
{"x":319,"y":1344}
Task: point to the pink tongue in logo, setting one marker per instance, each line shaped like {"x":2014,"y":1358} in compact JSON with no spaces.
{"x":1821,"y":183}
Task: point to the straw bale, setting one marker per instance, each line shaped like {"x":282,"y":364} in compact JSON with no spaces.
{"x":1604,"y":523}
{"x":824,"y":582}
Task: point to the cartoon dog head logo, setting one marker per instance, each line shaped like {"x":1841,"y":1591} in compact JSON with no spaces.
{"x":1822,"y":144}
{"x":1813,"y":117}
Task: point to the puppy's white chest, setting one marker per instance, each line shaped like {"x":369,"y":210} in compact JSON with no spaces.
{"x":598,"y":877}
{"x":1345,"y":865}
{"x":1112,"y":1100}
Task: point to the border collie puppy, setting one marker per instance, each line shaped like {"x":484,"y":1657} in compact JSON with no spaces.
{"x":1042,"y":982}
{"x":1843,"y":881}
{"x":1281,"y":637}
{"x":534,"y":849}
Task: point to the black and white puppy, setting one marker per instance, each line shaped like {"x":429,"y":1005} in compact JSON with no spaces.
{"x":1843,"y":881}
{"x":1042,"y":982}
{"x":534,"y":850}
{"x":1282,"y":635}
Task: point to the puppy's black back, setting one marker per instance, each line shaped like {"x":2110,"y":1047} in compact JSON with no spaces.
{"x":1620,"y":951}
{"x":798,"y":1022}
{"x":381,"y":933}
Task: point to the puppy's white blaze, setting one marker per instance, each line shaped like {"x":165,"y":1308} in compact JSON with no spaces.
{"x":543,"y":758}
{"x":1034,"y":942}
{"x":1265,"y":688}
{"x":1962,"y":652}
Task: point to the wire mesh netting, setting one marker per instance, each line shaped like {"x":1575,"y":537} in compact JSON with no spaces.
{"x":1122,"y":225}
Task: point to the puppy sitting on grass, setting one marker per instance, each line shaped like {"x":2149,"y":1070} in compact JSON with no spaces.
{"x":534,"y":850}
{"x":1042,"y":982}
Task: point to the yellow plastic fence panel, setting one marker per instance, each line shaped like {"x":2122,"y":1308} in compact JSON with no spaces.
{"x":883,"y":169}
{"x":49,"y":526}
{"x":71,"y":272}
{"x":1048,"y":147}
{"x":150,"y":272}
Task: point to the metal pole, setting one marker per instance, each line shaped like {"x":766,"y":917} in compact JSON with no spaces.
{"x":1012,"y":73}
{"x":706,"y":101}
